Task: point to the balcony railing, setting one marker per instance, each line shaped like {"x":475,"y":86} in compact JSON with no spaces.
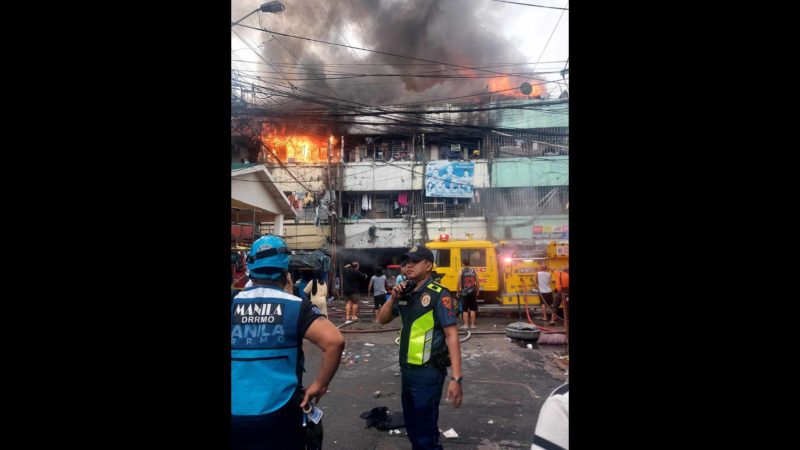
{"x":439,"y":210}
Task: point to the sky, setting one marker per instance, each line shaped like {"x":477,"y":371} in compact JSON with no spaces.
{"x":485,"y":41}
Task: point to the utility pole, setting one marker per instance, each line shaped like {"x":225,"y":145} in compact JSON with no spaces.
{"x":424,"y":217}
{"x":331,"y":218}
{"x":489,"y":208}
{"x":411,"y":200}
{"x":339,"y":176}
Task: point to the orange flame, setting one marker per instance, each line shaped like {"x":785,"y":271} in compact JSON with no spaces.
{"x":293,"y":148}
{"x":511,"y":88}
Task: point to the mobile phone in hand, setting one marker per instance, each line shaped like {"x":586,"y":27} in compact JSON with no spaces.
{"x":313,"y":412}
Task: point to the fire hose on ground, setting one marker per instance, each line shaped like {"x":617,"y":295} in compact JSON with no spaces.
{"x":541,"y":299}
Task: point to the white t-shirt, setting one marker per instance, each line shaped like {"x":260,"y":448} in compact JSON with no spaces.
{"x":552,"y":427}
{"x":544,"y":282}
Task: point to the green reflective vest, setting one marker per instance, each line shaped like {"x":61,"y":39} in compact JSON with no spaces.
{"x":419,"y":325}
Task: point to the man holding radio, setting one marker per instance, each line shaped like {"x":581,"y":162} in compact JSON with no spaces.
{"x":428,"y":345}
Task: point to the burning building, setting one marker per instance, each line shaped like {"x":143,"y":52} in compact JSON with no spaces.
{"x":385,"y":191}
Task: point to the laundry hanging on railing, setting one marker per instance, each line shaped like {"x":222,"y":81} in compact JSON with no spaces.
{"x":366,"y":202}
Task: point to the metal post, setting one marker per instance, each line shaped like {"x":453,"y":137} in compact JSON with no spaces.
{"x":565,"y":302}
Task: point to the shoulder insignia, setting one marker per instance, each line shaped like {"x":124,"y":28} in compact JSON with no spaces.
{"x":434,"y":287}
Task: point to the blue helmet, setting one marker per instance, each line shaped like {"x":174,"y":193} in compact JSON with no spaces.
{"x":269,"y":251}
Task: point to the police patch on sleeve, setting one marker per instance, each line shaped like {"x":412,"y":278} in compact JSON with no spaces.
{"x":258,"y":313}
{"x":447,"y":301}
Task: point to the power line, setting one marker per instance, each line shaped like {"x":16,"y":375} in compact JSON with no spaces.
{"x":439,"y":123}
{"x":328,"y":16}
{"x":283,"y":166}
{"x":259,"y":55}
{"x":376,"y":166}
{"x":529,"y":4}
{"x":301,"y":62}
{"x":459,"y":97}
{"x":320,"y":164}
{"x":465,"y":96}
{"x":551,"y":36}
{"x":316,"y":100}
{"x":359,"y":21}
{"x":442,"y":111}
{"x":380,"y":52}
{"x":346,"y":76}
{"x":484,"y":65}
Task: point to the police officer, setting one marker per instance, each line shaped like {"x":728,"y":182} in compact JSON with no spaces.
{"x":428,"y":344}
{"x":267,"y":330}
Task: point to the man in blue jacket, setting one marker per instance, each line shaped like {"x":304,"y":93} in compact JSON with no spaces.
{"x":267,"y":330}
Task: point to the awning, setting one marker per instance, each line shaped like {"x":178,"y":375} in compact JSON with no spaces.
{"x":255,"y":198}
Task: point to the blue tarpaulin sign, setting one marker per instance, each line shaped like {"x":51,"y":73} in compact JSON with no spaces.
{"x":449,"y":179}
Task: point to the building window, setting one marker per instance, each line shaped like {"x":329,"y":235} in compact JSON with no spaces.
{"x":533,"y":201}
{"x":477,"y":256}
{"x":382,"y":206}
{"x":441,"y":257}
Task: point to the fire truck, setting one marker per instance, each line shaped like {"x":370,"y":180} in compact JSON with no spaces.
{"x":448,"y":256}
{"x":505,"y":270}
{"x":520,"y":261}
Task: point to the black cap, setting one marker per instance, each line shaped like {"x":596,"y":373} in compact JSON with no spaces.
{"x":418,"y":253}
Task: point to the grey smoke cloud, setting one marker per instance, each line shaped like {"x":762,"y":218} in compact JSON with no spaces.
{"x":464,"y":32}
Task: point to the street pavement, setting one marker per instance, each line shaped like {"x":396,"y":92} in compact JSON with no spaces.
{"x":505,"y":384}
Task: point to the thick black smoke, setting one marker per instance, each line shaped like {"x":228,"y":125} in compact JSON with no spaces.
{"x":462,"y":32}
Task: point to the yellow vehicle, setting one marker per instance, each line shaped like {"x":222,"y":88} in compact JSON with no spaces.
{"x":504,"y":270}
{"x":558,"y":252}
{"x":481,"y":255}
{"x":520,"y":261}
